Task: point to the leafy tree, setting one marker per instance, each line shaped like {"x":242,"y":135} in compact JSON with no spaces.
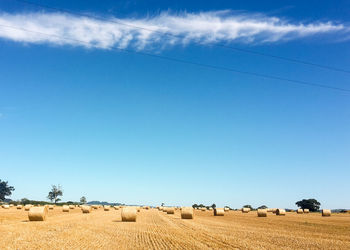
{"x":194,"y":205}
{"x":25,"y":201}
{"x":5,"y":190}
{"x":55,"y":192}
{"x":162,"y":204}
{"x":262,"y":207}
{"x":311,"y":204}
{"x":213,"y":206}
{"x":83,"y":200}
{"x":249,"y":206}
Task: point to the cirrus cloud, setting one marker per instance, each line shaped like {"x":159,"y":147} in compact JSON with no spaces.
{"x":165,"y":29}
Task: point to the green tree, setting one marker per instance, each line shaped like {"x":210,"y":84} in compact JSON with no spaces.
{"x":194,"y":205}
{"x":55,"y":192}
{"x":25,"y":201}
{"x":311,"y":204}
{"x":249,"y":206}
{"x":262,"y":207}
{"x":213,"y":206}
{"x":5,"y":190}
{"x":83,"y":200}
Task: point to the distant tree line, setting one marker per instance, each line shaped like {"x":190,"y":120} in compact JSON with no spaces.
{"x":56,"y":192}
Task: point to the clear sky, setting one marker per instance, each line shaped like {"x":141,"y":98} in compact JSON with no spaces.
{"x":123,"y":127}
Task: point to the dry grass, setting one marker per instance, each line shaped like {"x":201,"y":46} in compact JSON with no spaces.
{"x":158,"y":230}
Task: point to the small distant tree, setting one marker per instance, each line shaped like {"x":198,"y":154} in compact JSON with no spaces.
{"x":83,"y":200}
{"x":162,"y":204}
{"x":194,"y":205}
{"x":262,"y":207}
{"x":213,"y":206}
{"x":311,"y":204}
{"x":25,"y":201}
{"x":55,"y":192}
{"x":249,"y":206}
{"x":5,"y":190}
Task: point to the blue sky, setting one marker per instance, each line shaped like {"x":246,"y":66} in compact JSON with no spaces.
{"x":128,"y":128}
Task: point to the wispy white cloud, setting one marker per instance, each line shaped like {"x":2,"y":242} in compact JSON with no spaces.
{"x":182,"y":28}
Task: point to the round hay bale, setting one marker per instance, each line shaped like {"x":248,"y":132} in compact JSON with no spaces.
{"x":51,"y":207}
{"x":210,"y":208}
{"x":306,"y":211}
{"x":300,"y":211}
{"x":274,"y":210}
{"x":170,"y":210}
{"x":203,"y":209}
{"x":11,"y":205}
{"x":262,"y":212}
{"x":65,"y":208}
{"x":245,"y":210}
{"x":106,"y":208}
{"x":37,"y":213}
{"x":326,"y":212}
{"x":187,"y":213}
{"x":94,"y":206}
{"x":27,"y":207}
{"x":129,"y":214}
{"x":19,"y":206}
{"x":6,"y":206}
{"x":226,"y":209}
{"x":85,"y":209}
{"x":280,"y":211}
{"x":164,"y":209}
{"x":219,"y":212}
{"x":71,"y":206}
{"x":269,"y":210}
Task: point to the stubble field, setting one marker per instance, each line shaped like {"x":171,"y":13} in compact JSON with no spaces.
{"x":157,"y":230}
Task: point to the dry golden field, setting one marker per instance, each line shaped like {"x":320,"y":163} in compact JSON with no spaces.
{"x":156,"y":230}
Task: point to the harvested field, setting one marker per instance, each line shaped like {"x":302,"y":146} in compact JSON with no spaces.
{"x":157,"y":230}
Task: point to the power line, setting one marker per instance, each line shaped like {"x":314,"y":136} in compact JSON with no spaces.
{"x":293,"y":60}
{"x":190,"y":62}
